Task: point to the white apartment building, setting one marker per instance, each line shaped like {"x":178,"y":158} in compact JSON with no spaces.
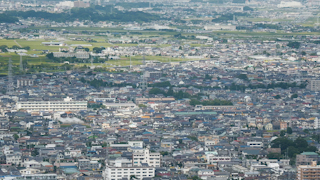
{"x":214,"y":159}
{"x":123,"y":168}
{"x":13,"y":158}
{"x":316,"y":123}
{"x":24,"y":82}
{"x":67,"y":104}
{"x":255,"y":144}
{"x":143,"y":156}
{"x":136,"y":144}
{"x":314,"y":85}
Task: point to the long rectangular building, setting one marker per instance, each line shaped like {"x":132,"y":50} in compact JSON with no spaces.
{"x":66,"y":104}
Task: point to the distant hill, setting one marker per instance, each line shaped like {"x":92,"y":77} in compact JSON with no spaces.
{"x":95,"y":14}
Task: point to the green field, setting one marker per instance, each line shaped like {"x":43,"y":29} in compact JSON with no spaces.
{"x":138,"y":60}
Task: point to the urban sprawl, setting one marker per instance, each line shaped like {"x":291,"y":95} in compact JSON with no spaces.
{"x":160,"y":90}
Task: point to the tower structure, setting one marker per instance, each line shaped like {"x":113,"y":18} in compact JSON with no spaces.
{"x":21,"y":65}
{"x":10,"y":79}
{"x":143,"y":83}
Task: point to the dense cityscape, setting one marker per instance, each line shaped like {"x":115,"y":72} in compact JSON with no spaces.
{"x":159,"y":90}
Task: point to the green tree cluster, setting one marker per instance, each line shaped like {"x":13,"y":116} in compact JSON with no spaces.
{"x":215,"y":102}
{"x":242,"y":76}
{"x":177,"y":95}
{"x":4,"y":18}
{"x":294,"y":44}
{"x":96,"y":105}
{"x":247,"y":8}
{"x":292,"y":147}
{"x":97,"y":83}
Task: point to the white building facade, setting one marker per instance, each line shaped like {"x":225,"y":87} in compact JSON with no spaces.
{"x":65,"y":105}
{"x":141,"y":156}
{"x":123,"y":168}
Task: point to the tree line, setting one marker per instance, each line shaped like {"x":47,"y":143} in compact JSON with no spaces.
{"x":93,"y":13}
{"x":98,"y":83}
{"x":74,"y":59}
{"x":195,"y":99}
{"x":292,"y":148}
{"x":4,"y":48}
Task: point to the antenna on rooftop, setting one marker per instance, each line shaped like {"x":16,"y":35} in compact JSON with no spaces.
{"x":10,"y":79}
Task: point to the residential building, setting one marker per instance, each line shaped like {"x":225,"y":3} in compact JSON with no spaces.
{"x":143,"y":156}
{"x":309,"y":172}
{"x":122,"y":168}
{"x":255,"y":144}
{"x":66,"y":104}
{"x":316,"y":123}
{"x":13,"y":158}
{"x":24,"y":82}
{"x":29,"y":171}
{"x":38,"y":176}
{"x":306,"y":158}
{"x":314,"y":85}
{"x":213,"y":159}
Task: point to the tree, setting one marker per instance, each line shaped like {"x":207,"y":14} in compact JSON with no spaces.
{"x":34,"y":152}
{"x":247,"y":8}
{"x":170,"y":92}
{"x":242,"y":76}
{"x":195,"y":178}
{"x":277,"y":97}
{"x":4,"y":18}
{"x":156,"y":91}
{"x":293,"y":96}
{"x":15,"y":47}
{"x":274,"y":155}
{"x":300,"y":143}
{"x":282,"y":133}
{"x":142,"y":106}
{"x":294,"y":44}
{"x":26,"y":47}
{"x":289,"y":130}
{"x":193,"y":138}
{"x":163,"y":153}
{"x":98,"y":50}
{"x":282,"y":143}
{"x":16,"y":136}
{"x":132,"y":177}
{"x":207,"y":76}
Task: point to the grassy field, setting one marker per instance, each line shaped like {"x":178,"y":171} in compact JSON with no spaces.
{"x":137,"y":60}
